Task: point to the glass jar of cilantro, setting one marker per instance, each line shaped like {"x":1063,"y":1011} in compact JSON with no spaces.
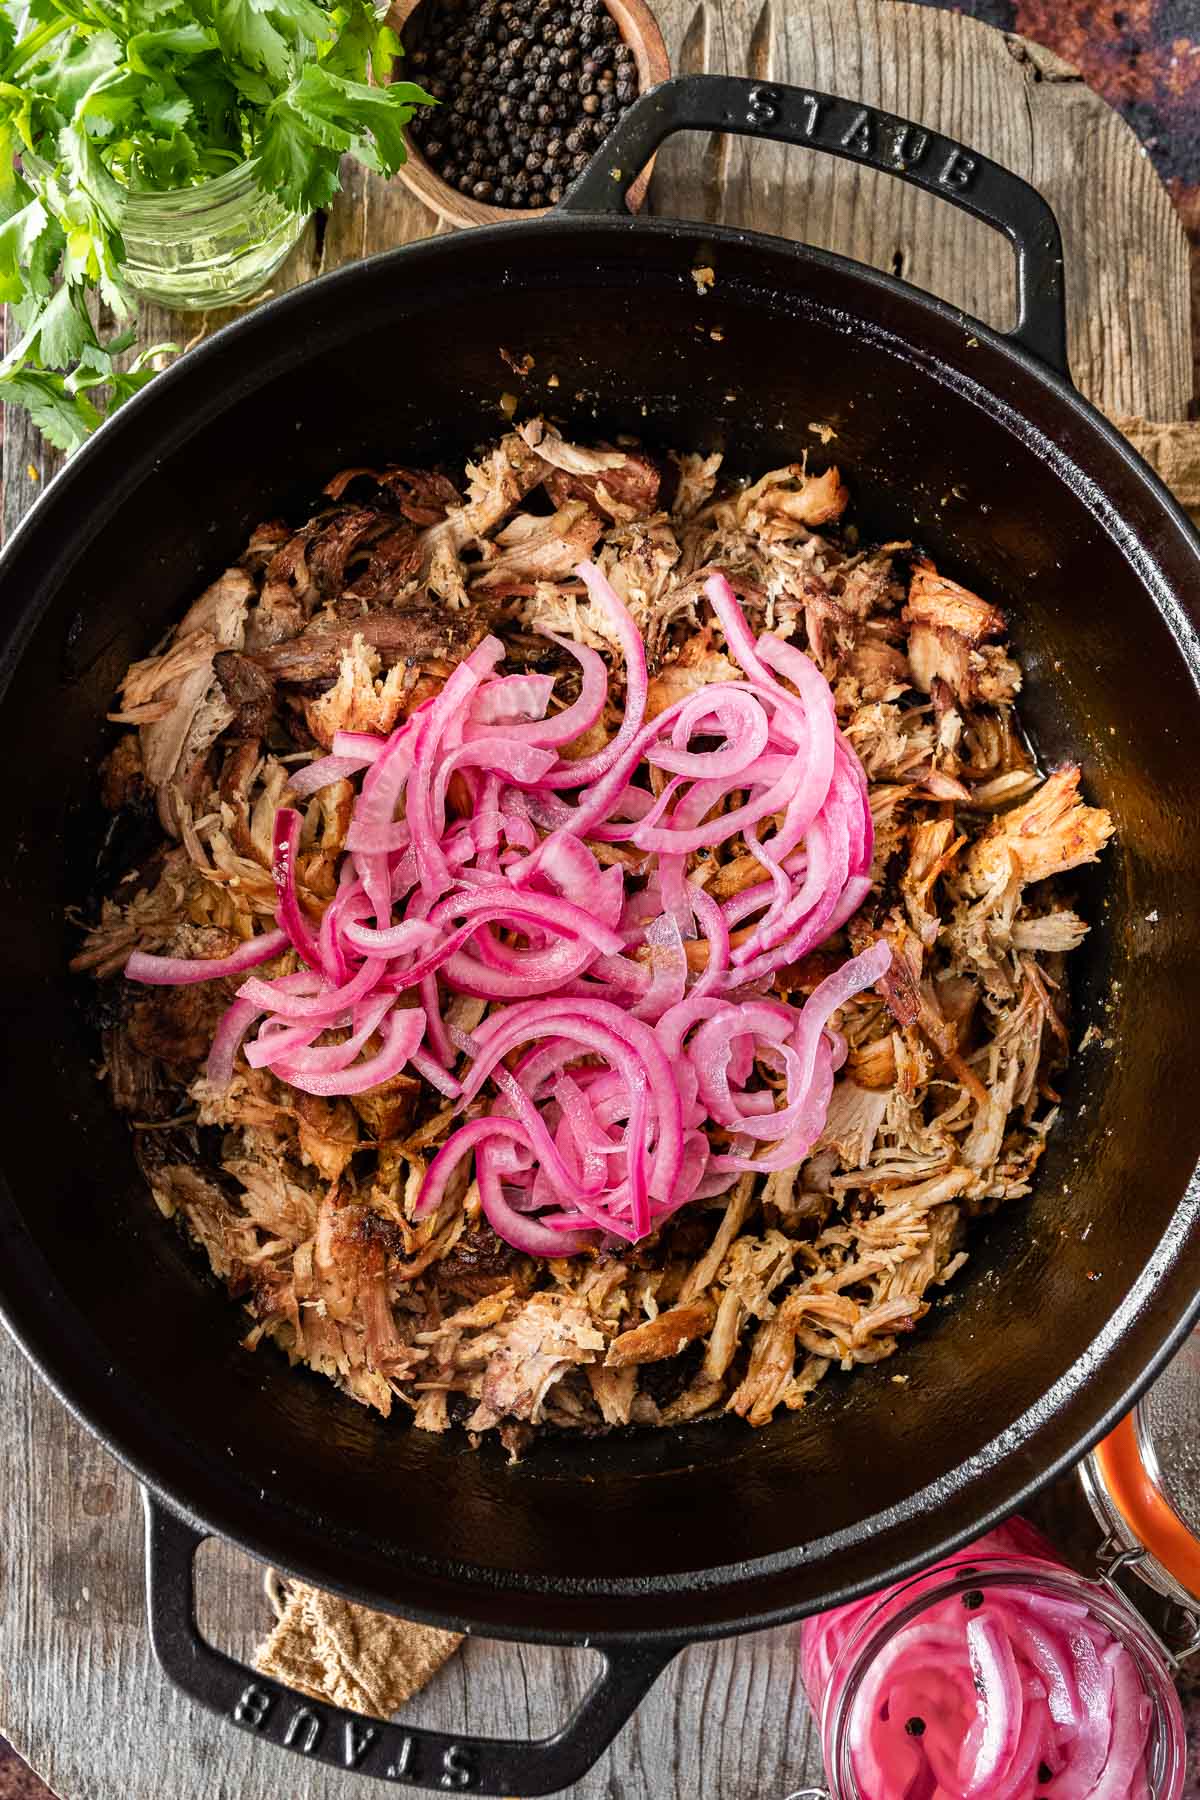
{"x":209,"y":245}
{"x":173,"y":149}
{"x":200,"y":246}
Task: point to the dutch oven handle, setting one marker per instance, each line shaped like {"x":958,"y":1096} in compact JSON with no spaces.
{"x":861,"y":134}
{"x":358,"y":1745}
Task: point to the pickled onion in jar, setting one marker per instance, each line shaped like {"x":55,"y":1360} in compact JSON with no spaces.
{"x":994,"y":1676}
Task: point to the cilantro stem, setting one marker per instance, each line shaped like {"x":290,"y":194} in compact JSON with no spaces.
{"x":33,"y":43}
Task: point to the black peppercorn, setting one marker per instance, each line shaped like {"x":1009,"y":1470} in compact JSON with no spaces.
{"x":972,"y":1600}
{"x":465,"y":183}
{"x":531,"y":89}
{"x":915,"y":1727}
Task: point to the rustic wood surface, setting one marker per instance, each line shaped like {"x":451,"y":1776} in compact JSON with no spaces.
{"x":728,"y":1720}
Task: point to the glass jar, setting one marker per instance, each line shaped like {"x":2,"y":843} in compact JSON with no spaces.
{"x":847,"y":1673}
{"x":1143,"y":1484}
{"x":195,"y":248}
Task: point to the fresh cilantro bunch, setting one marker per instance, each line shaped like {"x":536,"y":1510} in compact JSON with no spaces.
{"x":102,"y":97}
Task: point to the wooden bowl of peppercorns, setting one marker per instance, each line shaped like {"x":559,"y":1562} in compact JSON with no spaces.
{"x":528,"y":91}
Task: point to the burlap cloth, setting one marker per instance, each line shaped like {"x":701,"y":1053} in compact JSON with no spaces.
{"x":366,"y":1661}
{"x":371,"y":1663}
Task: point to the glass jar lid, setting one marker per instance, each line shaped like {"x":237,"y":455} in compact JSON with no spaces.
{"x":1143,"y":1483}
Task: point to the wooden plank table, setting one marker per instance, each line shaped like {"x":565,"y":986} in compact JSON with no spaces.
{"x":728,"y":1720}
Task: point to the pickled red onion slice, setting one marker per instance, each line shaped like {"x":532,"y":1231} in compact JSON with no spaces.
{"x":637,"y":1016}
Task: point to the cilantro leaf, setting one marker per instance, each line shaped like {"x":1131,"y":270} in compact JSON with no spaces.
{"x":322,"y":116}
{"x":64,"y":420}
{"x":20,"y":236}
{"x":293,"y":163}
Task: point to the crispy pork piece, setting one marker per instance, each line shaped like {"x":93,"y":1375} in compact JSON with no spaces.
{"x":533,"y":548}
{"x":549,"y":1334}
{"x":616,"y":484}
{"x":1053,"y":831}
{"x":696,"y":481}
{"x":950,"y":641}
{"x":249,"y":692}
{"x":933,"y":845}
{"x":422,"y":496}
{"x":175,"y":699}
{"x":665,"y":1335}
{"x":695,"y":666}
{"x":412,"y":634}
{"x":935,"y":600}
{"x":785,"y":499}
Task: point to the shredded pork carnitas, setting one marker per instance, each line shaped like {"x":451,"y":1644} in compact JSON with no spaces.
{"x":304,"y":1206}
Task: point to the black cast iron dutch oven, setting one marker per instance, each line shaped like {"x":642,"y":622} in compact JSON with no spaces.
{"x":970,"y":441}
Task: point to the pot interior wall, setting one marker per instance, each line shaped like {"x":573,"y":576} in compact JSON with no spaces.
{"x":403,"y":360}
